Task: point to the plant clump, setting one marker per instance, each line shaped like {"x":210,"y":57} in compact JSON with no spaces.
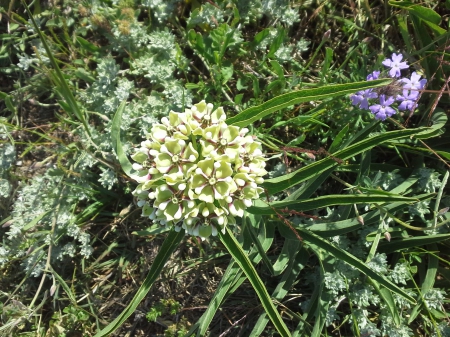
{"x":196,"y":172}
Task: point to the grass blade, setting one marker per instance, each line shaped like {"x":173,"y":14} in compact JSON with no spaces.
{"x":169,"y":245}
{"x":116,"y":142}
{"x":244,"y":262}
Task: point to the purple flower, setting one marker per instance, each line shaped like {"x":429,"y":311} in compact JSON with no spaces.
{"x":408,"y":100}
{"x":383,"y":110}
{"x":373,"y":76}
{"x":396,"y":64}
{"x":414,"y":83}
{"x":361,"y":98}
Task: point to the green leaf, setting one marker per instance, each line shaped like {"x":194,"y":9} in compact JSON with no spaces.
{"x":116,"y":142}
{"x":388,"y":299}
{"x":439,"y":119}
{"x":276,"y":43}
{"x":338,"y":253}
{"x":251,"y":232}
{"x":233,"y":247}
{"x":282,"y":183}
{"x":65,"y":286}
{"x":85,"y":44}
{"x":326,"y":201}
{"x":327,"y":229}
{"x":33,"y":222}
{"x":168,"y":247}
{"x":233,"y":278}
{"x":253,"y":114}
{"x":297,"y":261}
{"x":424,"y":13}
{"x":58,"y":77}
{"x":288,"y":253}
{"x":416,"y":241}
{"x":428,"y":281}
{"x":338,"y":139}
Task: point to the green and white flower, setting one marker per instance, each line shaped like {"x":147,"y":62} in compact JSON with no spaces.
{"x":196,"y":172}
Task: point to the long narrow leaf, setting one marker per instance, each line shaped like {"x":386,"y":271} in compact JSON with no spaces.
{"x":297,"y":261}
{"x":326,"y":201}
{"x":232,"y":279}
{"x":59,"y":79}
{"x":282,"y":183}
{"x":242,"y":259}
{"x":170,"y":244}
{"x":416,"y":241}
{"x":117,"y":143}
{"x":252,"y":114}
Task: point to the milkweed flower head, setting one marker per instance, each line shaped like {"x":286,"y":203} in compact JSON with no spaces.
{"x":403,"y":91}
{"x":197,"y":172}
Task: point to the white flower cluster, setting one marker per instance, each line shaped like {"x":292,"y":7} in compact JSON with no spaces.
{"x":196,"y":172}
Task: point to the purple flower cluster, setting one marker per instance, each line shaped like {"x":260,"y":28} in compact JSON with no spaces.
{"x":404,"y":91}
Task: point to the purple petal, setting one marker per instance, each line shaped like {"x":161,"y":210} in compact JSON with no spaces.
{"x":356,"y":99}
{"x":364,"y":104}
{"x":390,"y":111}
{"x":422,"y":83}
{"x":375,"y":108}
{"x":394,"y":72}
{"x":387,"y":62}
{"x":396,"y":57}
{"x":389,"y":101}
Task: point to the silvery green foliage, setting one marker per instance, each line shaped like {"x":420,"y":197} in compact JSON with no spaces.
{"x":331,"y":316}
{"x":267,"y":40}
{"x":366,"y":326}
{"x":400,"y":274}
{"x":302,"y":46}
{"x":278,"y":170}
{"x":284,"y":53}
{"x":108,"y":178}
{"x":4,"y":255}
{"x":391,"y":329}
{"x":249,"y":10}
{"x":347,"y":270}
{"x":379,"y":263}
{"x":26,"y":61}
{"x":206,"y":15}
{"x":132,"y":38}
{"x":420,"y":209}
{"x":444,"y":330}
{"x":161,"y":9}
{"x":429,"y":180}
{"x":7,"y":157}
{"x":335,"y":283}
{"x":386,"y":180}
{"x":434,"y":298}
{"x":401,"y":302}
{"x":157,"y":71}
{"x":341,"y":241}
{"x":280,"y":10}
{"x":159,"y":65}
{"x":138,"y":111}
{"x":50,"y":198}
{"x":104,"y":85}
{"x":362,"y":295}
